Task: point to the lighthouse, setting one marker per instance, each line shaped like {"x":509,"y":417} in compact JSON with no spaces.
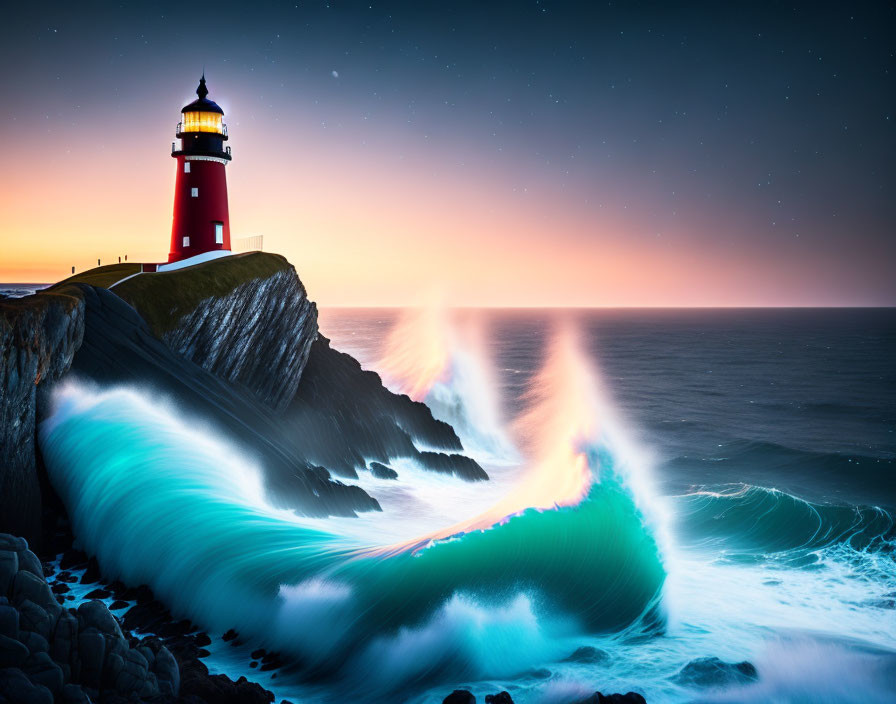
{"x":201,"y":223}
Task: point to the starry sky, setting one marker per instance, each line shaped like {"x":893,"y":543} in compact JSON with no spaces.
{"x":511,"y":154}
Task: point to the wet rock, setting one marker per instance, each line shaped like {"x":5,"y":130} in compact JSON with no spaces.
{"x":33,"y":618}
{"x":230,"y":635}
{"x":41,"y":670}
{"x":381,"y":471}
{"x":16,"y":688}
{"x":91,"y":653}
{"x":629,"y":698}
{"x":95,"y":614}
{"x":72,"y":694}
{"x":9,"y":621}
{"x":12,"y":652}
{"x":165,"y":669}
{"x":460,"y":696}
{"x":9,"y":565}
{"x":713,"y":672}
{"x":12,"y":543}
{"x":65,"y":638}
{"x":588,"y":654}
{"x":499,"y":698}
{"x":92,"y":573}
{"x":202,"y":640}
{"x":220,"y":689}
{"x":72,"y":558}
{"x":27,"y":586}
{"x":118,"y":604}
{"x":35,"y":642}
{"x":29,"y":562}
{"x":98,"y":594}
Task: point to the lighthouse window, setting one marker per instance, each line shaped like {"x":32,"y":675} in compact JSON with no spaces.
{"x":194,"y":192}
{"x":186,"y":167}
{"x":186,"y":241}
{"x":219,"y":233}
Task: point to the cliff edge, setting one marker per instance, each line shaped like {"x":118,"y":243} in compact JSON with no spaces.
{"x":39,"y":336}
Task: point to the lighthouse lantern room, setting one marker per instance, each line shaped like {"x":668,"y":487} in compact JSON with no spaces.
{"x":201,"y":223}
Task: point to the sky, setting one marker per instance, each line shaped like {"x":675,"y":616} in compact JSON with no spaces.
{"x":506,"y":154}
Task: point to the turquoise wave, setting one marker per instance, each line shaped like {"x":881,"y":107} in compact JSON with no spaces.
{"x":161,"y":500}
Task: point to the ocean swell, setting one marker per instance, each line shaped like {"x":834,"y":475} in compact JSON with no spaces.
{"x":164,"y":500}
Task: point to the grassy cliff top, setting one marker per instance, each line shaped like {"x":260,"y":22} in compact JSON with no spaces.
{"x":164,"y":298}
{"x":101,"y":276}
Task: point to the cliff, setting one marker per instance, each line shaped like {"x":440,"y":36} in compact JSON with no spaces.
{"x":235,"y":342}
{"x":246,"y":319}
{"x":39,"y":336}
{"x":119,"y":348}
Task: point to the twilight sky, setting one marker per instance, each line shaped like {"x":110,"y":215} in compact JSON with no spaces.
{"x":530,"y":153}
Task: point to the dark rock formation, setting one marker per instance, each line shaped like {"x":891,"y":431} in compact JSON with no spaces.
{"x":588,"y":654}
{"x":459,"y":696}
{"x":629,"y":698}
{"x":713,"y":672}
{"x":252,"y":323}
{"x":342,"y":417}
{"x":381,"y":471}
{"x":39,"y":336}
{"x":499,"y":698}
{"x":48,"y":653}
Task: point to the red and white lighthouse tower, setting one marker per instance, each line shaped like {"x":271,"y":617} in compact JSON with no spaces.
{"x":201,"y":223}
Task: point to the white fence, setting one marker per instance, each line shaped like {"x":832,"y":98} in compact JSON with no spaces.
{"x":253,"y":243}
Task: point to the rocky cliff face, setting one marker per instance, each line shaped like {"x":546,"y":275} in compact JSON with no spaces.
{"x":254,"y":330}
{"x":39,"y":336}
{"x":227,"y":335}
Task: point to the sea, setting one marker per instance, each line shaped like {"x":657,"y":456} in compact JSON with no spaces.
{"x":772,"y":442}
{"x":696,"y":505}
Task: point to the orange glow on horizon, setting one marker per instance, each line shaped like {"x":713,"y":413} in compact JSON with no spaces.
{"x":374,"y":224}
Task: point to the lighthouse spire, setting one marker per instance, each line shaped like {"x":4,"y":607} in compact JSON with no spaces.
{"x":202,"y":91}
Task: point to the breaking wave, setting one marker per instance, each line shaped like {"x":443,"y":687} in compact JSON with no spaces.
{"x":573,"y":545}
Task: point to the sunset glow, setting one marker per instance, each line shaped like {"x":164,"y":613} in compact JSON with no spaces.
{"x":380,"y":191}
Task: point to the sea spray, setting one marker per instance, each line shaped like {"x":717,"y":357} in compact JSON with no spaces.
{"x":162,"y":500}
{"x":439,"y":356}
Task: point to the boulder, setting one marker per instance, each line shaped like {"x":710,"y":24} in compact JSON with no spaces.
{"x":35,"y":642}
{"x":16,"y":688}
{"x":381,"y":471}
{"x":28,"y":561}
{"x":27,"y":585}
{"x":12,"y":652}
{"x":33,"y":618}
{"x":135,"y":674}
{"x":95,"y":614}
{"x":9,"y":565}
{"x":713,"y":672}
{"x":165,"y":668}
{"x":12,"y":543}
{"x":73,"y":694}
{"x":41,"y":670}
{"x":629,"y":698}
{"x":91,"y":653}
{"x":9,"y":621}
{"x":65,"y":638}
{"x":588,"y":654}
{"x":460,"y":696}
{"x":499,"y":698}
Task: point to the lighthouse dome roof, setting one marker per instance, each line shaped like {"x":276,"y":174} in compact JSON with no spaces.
{"x":202,"y":104}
